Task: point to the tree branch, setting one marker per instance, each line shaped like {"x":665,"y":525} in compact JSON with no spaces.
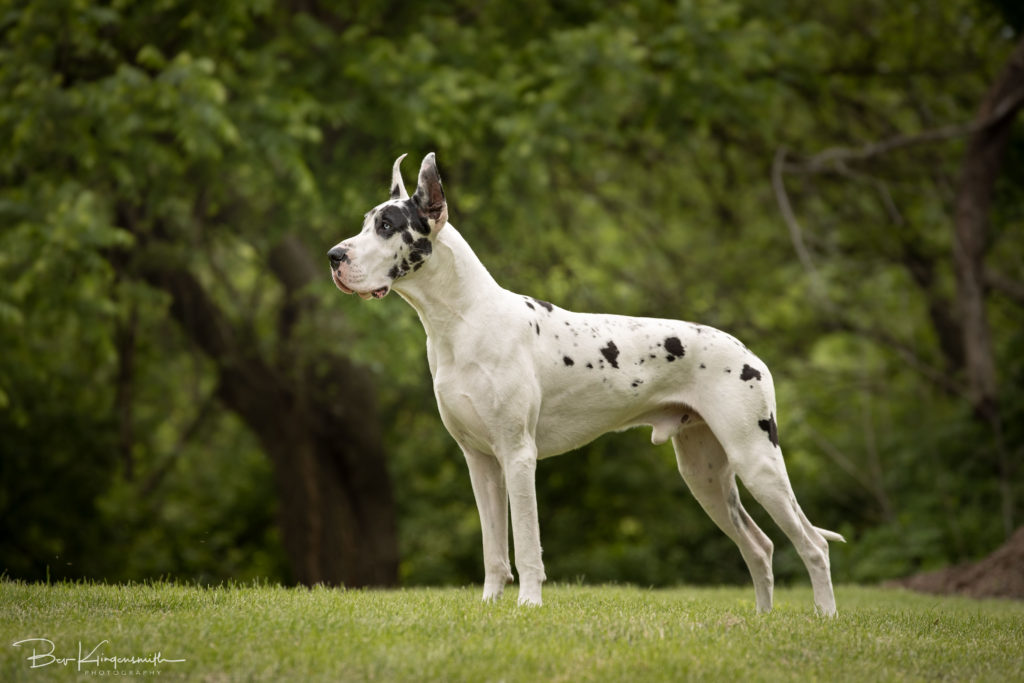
{"x":796,"y":234}
{"x":907,"y":352}
{"x":830,"y":159}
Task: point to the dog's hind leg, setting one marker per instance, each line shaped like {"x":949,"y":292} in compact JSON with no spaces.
{"x":492,"y":502}
{"x":757,"y":461}
{"x":705,"y":469}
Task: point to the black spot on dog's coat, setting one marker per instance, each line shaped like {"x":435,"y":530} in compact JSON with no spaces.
{"x":544,"y":304}
{"x":569,"y":362}
{"x":611,"y":353}
{"x":421,"y":249}
{"x":530,"y":306}
{"x":537,"y":327}
{"x":750,"y":373}
{"x":674,"y":347}
{"x":772,"y":429}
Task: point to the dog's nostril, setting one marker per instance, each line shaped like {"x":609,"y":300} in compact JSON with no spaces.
{"x":337,"y":255}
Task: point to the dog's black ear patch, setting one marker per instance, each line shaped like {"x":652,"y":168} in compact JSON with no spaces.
{"x":611,"y":354}
{"x":772,"y":429}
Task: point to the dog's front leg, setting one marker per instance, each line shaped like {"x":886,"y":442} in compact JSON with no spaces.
{"x":520,"y":467}
{"x":492,"y":502}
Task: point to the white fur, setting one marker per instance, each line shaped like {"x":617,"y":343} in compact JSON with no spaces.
{"x":513,"y":385}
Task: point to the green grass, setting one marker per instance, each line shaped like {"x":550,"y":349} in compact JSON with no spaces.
{"x":582,"y":633}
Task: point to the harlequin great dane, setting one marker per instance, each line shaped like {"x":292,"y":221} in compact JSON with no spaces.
{"x":518,"y":379}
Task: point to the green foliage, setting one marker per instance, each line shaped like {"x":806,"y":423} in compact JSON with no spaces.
{"x":604,"y":157}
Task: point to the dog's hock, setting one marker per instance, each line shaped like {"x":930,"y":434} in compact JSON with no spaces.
{"x":429,"y":197}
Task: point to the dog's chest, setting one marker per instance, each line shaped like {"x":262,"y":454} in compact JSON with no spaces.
{"x":483,"y":408}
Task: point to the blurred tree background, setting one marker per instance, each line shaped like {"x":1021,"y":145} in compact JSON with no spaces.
{"x":183,"y":392}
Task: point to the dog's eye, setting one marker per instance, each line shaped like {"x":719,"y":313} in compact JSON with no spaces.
{"x":386,"y":226}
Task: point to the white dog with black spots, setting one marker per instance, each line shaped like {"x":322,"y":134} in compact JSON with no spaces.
{"x":518,"y":379}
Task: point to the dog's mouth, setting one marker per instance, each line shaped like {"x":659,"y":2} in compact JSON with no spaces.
{"x":375,"y":294}
{"x":378,"y":293}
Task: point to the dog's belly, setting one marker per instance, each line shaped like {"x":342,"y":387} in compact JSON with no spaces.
{"x":557,"y":435}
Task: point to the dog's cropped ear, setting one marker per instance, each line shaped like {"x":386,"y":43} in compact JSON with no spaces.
{"x":398,"y":190}
{"x":429,"y":197}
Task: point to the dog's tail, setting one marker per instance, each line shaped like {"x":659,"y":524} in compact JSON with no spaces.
{"x":830,"y":535}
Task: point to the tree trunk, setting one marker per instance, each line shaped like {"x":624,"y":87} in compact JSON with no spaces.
{"x":319,"y":429}
{"x":971,"y":225}
{"x":975,"y":191}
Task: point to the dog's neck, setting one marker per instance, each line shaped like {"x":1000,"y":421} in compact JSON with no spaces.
{"x":451,"y":285}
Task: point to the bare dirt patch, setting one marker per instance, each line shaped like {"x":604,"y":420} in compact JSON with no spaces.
{"x":1000,"y":575}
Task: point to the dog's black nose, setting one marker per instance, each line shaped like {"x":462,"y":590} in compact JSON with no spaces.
{"x":337,"y":256}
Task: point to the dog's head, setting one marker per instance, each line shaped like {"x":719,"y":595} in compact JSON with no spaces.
{"x":397,"y":236}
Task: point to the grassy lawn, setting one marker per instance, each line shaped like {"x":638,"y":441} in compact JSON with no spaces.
{"x":582,"y":633}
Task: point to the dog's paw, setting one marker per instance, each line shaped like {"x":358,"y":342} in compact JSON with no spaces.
{"x":529,"y":593}
{"x":527,"y":601}
{"x":492,"y":592}
{"x":826,"y":612}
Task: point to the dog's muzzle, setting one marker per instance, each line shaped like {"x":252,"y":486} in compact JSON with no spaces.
{"x":339,"y":256}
